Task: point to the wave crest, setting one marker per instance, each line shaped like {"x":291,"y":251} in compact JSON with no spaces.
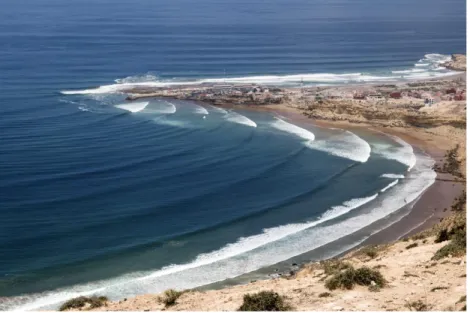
{"x":346,"y":145}
{"x":235,"y":117}
{"x":293,"y":129}
{"x":132,"y":107}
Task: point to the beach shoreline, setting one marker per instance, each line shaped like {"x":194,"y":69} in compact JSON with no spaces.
{"x":428,"y":210}
{"x":435,"y":200}
{"x":303,"y":279}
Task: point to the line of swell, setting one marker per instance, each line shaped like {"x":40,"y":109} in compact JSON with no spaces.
{"x":151,"y":243}
{"x":88,"y":123}
{"x":127,"y":165}
{"x":282,"y":203}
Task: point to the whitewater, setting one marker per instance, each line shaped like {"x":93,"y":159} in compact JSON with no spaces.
{"x":430,"y":66}
{"x":250,"y":253}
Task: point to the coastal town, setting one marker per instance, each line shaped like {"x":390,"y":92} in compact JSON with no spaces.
{"x":402,"y":103}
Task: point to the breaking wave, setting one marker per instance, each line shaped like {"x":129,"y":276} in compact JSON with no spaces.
{"x":150,"y":281}
{"x":427,"y":67}
{"x":346,"y":145}
{"x":247,"y":254}
{"x":239,"y":119}
{"x":219,"y":110}
{"x":403,"y":154}
{"x":132,"y":107}
{"x":292,"y":129}
{"x":389,"y":185}
{"x":200,"y":110}
{"x":395,"y":176}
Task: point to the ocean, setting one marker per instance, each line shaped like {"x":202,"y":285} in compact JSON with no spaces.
{"x":103,"y":196}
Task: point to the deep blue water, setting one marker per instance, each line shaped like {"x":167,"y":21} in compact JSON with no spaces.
{"x":122,"y":200}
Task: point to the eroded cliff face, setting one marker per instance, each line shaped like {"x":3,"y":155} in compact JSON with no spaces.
{"x":458,"y":63}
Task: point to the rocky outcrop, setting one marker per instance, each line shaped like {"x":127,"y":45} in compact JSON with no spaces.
{"x":458,"y":62}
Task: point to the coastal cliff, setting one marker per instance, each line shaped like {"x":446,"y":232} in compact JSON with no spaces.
{"x":458,"y":63}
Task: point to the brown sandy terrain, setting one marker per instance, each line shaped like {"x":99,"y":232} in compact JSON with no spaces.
{"x":411,"y":274}
{"x":458,"y":62}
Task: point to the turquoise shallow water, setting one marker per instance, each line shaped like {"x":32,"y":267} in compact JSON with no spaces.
{"x":103,"y":196}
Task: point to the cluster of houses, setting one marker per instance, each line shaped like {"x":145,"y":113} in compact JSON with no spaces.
{"x":238,"y":93}
{"x":428,"y":98}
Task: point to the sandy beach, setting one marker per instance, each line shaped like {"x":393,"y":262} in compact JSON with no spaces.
{"x":435,"y":139}
{"x":434,"y":202}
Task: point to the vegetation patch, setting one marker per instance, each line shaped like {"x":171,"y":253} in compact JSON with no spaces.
{"x":419,"y":236}
{"x":363,"y":276}
{"x":324,"y":295}
{"x":438,"y":288}
{"x":408,"y":274}
{"x":80,"y":302}
{"x":332,"y":267}
{"x":451,"y":164}
{"x":417,"y":306}
{"x":370,"y":251}
{"x":264,"y":301}
{"x":442,"y":236}
{"x":170,"y":296}
{"x":457,"y":245}
{"x":460,"y":202}
{"x":462,"y":299}
{"x":374,"y":288}
{"x":413,"y":245}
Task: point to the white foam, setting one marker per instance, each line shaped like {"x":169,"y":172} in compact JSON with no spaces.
{"x":293,"y":129}
{"x":241,"y":246}
{"x":348,"y":206}
{"x":273,"y":245}
{"x":403,"y":154}
{"x":346,"y":145}
{"x":163,"y":107}
{"x":83,"y":108}
{"x":200,"y":110}
{"x":409,"y":71}
{"x":429,"y":66}
{"x":220,"y":110}
{"x":132,"y":107}
{"x":235,"y":117}
{"x":137,"y":79}
{"x":389,"y":185}
{"x":394,"y":176}
{"x":168,"y":122}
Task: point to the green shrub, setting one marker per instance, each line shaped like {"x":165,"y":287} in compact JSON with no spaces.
{"x":449,"y":249}
{"x":80,"y":302}
{"x":263,"y":301}
{"x":344,"y":280}
{"x":442,"y":236}
{"x":460,"y":202}
{"x":364,"y":276}
{"x":457,"y":246}
{"x":417,"y":306}
{"x":334,"y":266}
{"x":347,"y":279}
{"x":170,"y":296}
{"x":371,"y":252}
{"x":324,"y":295}
{"x":462,"y":299}
{"x":374,"y":288}
{"x":413,"y":245}
{"x":419,"y":236}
